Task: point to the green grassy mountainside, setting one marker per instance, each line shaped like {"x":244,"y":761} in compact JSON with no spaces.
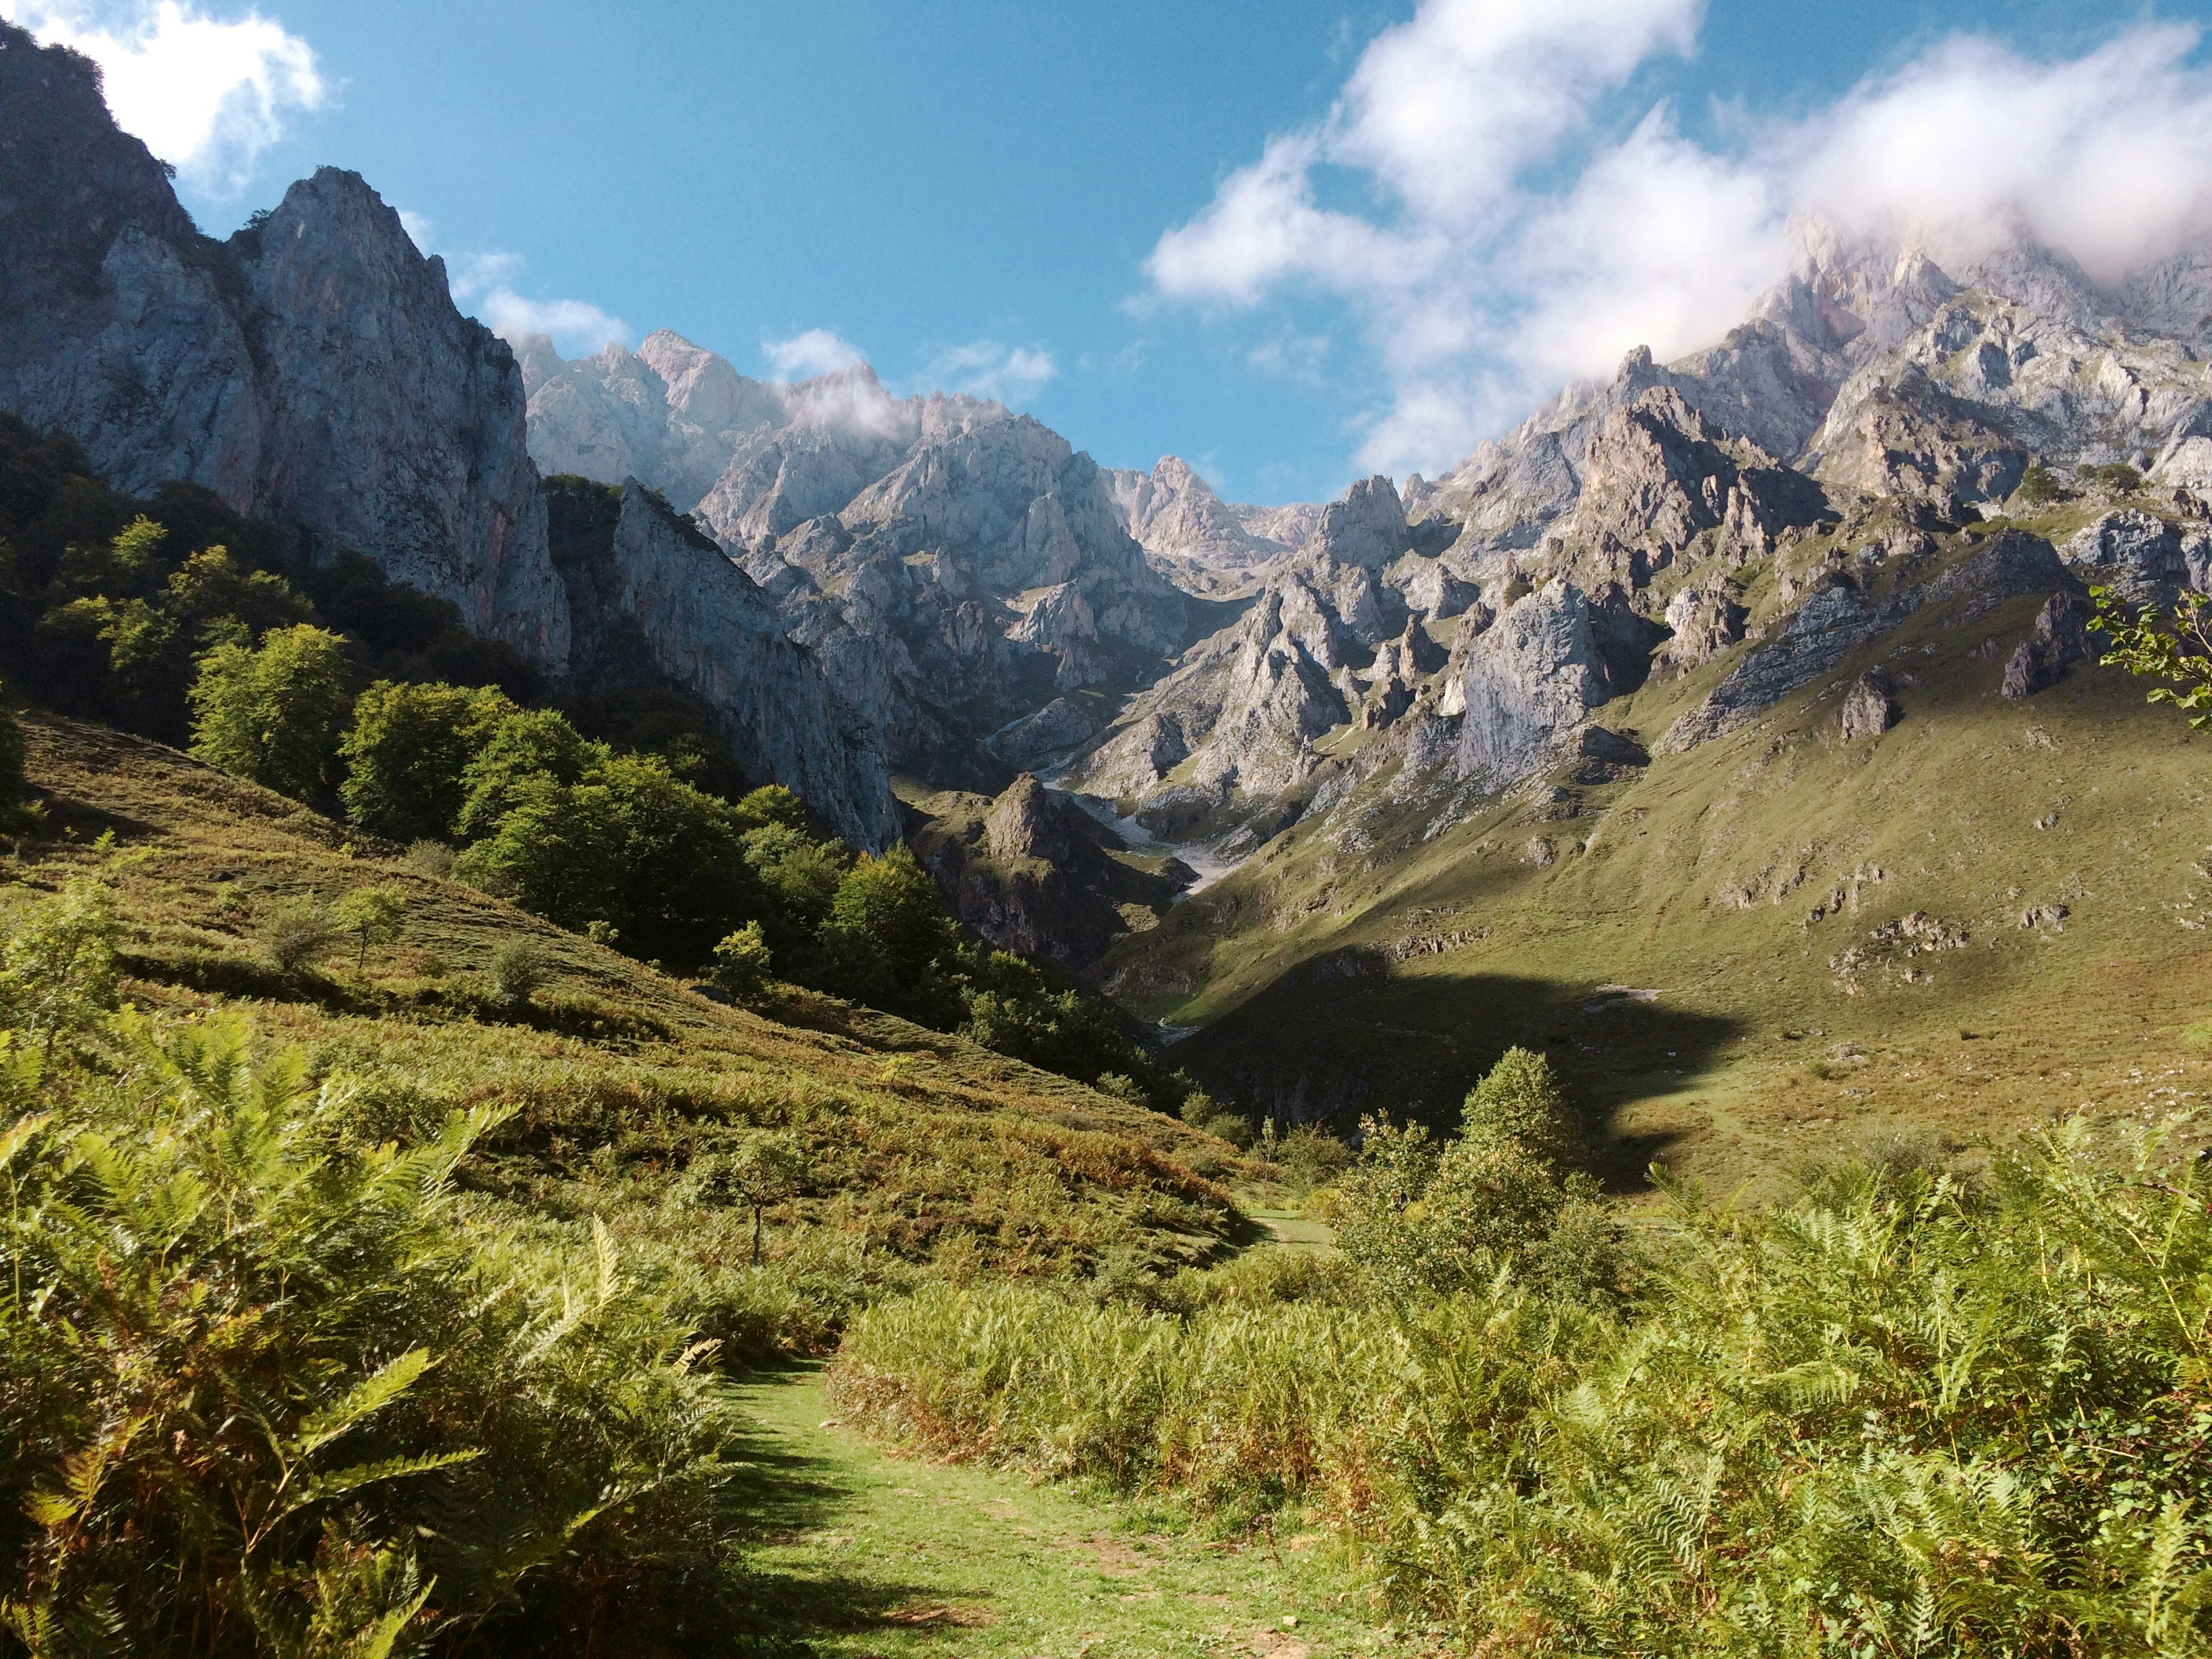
{"x":1990,"y":912}
{"x":920,"y":1145}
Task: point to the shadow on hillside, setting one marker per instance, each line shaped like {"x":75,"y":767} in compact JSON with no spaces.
{"x":781,"y":1494}
{"x":1331,"y":1047}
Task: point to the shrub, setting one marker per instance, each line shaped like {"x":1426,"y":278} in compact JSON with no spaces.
{"x":518,"y":970}
{"x":294,"y":935}
{"x":2038,"y":486}
{"x":1202,"y":1112}
{"x":741,"y":961}
{"x":1893,"y":1415}
{"x":1312,"y":1155}
{"x":373,"y":915}
{"x":1419,"y":1216}
{"x":760,"y":1169}
{"x":57,"y":962}
{"x":270,"y":1392}
{"x":273,"y":714}
{"x":430,"y":857}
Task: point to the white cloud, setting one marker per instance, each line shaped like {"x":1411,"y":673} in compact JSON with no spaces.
{"x":1508,"y":245}
{"x":483,"y":284}
{"x":207,"y":94}
{"x":985,"y":368}
{"x":816,"y":351}
{"x":577,"y":326}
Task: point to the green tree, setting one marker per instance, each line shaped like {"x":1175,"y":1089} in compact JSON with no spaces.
{"x":1520,"y":1101}
{"x":2038,"y":486}
{"x":518,"y":969}
{"x":273,"y":714}
{"x":523,"y":747}
{"x":57,"y":962}
{"x":373,"y":915}
{"x":557,"y":851}
{"x":889,"y":942}
{"x":684,"y":883}
{"x":743,"y":962}
{"x":2179,"y":653}
{"x":1015,"y":1008}
{"x":772,"y":805}
{"x":763,"y":1168}
{"x":1418,"y":1215}
{"x":800,"y":875}
{"x":406,"y":754}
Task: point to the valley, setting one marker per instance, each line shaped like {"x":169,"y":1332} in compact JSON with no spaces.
{"x":644,"y":1009}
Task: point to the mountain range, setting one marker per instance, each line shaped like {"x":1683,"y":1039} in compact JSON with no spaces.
{"x":1392,"y":738}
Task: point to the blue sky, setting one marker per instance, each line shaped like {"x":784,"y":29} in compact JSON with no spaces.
{"x":973,"y":192}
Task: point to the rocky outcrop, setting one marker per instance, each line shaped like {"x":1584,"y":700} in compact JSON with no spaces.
{"x":1839,"y":618}
{"x":1870,"y":707}
{"x":956,"y":571}
{"x":648,"y":583}
{"x":1201,"y":542}
{"x":2059,"y":638}
{"x":1033,"y":873}
{"x":2143,"y":558}
{"x":1657,"y":483}
{"x":1534,"y":677}
{"x":311,"y":370}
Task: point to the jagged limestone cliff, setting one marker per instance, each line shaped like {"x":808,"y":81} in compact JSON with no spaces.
{"x":311,"y":370}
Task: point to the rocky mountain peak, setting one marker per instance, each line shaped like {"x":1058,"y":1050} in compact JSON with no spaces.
{"x":313,"y":370}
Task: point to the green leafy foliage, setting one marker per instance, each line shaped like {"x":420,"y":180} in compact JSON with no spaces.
{"x":2117,"y":477}
{"x":2038,"y":486}
{"x":1894,"y":1414}
{"x":270,"y":1392}
{"x":273,"y":713}
{"x":743,"y":962}
{"x":407,"y":752}
{"x":518,"y":969}
{"x":372,"y":914}
{"x":2180,"y":653}
{"x":1422,"y":1216}
{"x":292,"y":934}
{"x":57,"y":973}
{"x":888,"y":942}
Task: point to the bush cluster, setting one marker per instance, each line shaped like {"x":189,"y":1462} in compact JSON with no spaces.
{"x":1897,"y":1413}
{"x":180,"y":619}
{"x":271,"y":1389}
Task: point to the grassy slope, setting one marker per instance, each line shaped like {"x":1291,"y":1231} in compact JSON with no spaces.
{"x":1695,"y":880}
{"x":920,"y":1143}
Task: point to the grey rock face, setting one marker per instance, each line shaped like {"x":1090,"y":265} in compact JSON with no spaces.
{"x":1869,"y":707}
{"x":707,"y":626}
{"x":1052,"y":732}
{"x":2145,"y":559}
{"x":955,"y":568}
{"x":1529,"y":680}
{"x":2059,"y":639}
{"x":1703,"y":622}
{"x":311,"y":370}
{"x":1837,"y":619}
{"x":1201,"y":542}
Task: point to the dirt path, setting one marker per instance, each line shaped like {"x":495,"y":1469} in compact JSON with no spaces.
{"x":859,"y":1553}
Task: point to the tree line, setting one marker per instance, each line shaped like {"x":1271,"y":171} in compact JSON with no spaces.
{"x":617,"y":816}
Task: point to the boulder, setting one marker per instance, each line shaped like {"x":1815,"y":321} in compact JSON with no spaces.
{"x":1870,"y":707}
{"x":2059,"y":638}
